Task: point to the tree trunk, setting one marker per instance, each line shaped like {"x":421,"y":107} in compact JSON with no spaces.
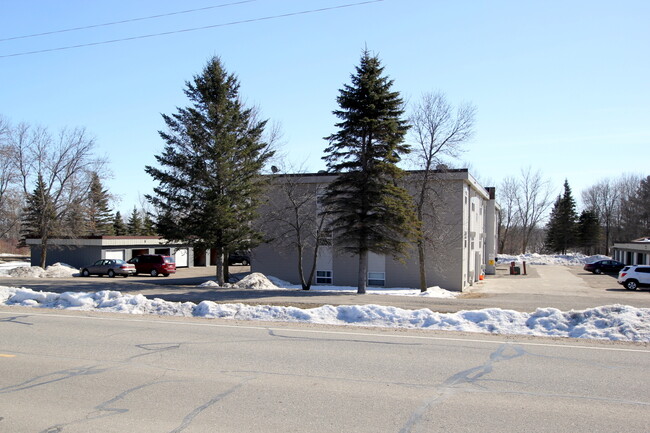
{"x":220,"y":276}
{"x":313,"y":267}
{"x":363,"y":272}
{"x":226,"y":267}
{"x":43,"y":252}
{"x":305,"y":286}
{"x":421,"y":260}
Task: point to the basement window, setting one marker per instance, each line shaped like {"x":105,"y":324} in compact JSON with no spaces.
{"x":323,"y":277}
{"x":376,"y":278}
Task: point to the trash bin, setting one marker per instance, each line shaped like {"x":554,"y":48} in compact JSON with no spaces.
{"x":516,"y":270}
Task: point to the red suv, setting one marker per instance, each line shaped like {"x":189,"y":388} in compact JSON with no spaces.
{"x":154,"y":264}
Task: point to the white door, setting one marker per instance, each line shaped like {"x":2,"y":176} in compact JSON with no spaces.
{"x":180,"y":256}
{"x":114,"y":254}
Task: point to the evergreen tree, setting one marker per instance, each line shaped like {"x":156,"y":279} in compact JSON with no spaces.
{"x":119,"y":228}
{"x":367,"y":209}
{"x":148,"y":226}
{"x":134,"y":225}
{"x":588,"y":232}
{"x":98,"y":214}
{"x":39,"y":217}
{"x":75,"y":221}
{"x":561,"y":228}
{"x":209,"y":183}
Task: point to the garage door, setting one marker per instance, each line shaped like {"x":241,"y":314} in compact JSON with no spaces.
{"x":180,"y":256}
{"x":114,"y":254}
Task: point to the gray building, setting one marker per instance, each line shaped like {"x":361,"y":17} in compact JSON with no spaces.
{"x":461,"y":221}
{"x":636,"y":252}
{"x":79,"y":252}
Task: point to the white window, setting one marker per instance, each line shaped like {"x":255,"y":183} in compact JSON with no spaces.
{"x":323,"y":277}
{"x":376,"y":278}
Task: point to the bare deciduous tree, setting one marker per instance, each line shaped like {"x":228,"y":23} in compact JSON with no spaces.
{"x":64,"y":162}
{"x":524,"y":204}
{"x":437,"y":131}
{"x":507,"y":194}
{"x":608,"y":200}
{"x":603,"y":199}
{"x":532,"y":201}
{"x":9,"y":198}
{"x":297,"y":225}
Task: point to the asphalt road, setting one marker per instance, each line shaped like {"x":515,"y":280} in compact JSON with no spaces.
{"x":72,"y":372}
{"x":562,"y":287}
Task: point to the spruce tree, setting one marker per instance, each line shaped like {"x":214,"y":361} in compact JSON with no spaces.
{"x":134,"y":225}
{"x":209,"y":183}
{"x":148,"y":225}
{"x":561,"y":228}
{"x":588,"y":232}
{"x":98,"y":213}
{"x":119,"y":228}
{"x":39,"y":217}
{"x":367,"y":209}
{"x":75,"y":221}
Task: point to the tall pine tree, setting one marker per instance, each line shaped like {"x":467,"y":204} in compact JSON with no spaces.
{"x":119,"y":228}
{"x":39,"y":217}
{"x":368,"y":210}
{"x":561,"y":228}
{"x":134,"y":224}
{"x":588,"y":232}
{"x":209,"y":185}
{"x":98,"y":213}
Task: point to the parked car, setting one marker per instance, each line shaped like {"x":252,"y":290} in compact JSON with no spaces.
{"x":154,"y":264}
{"x":604,"y":267}
{"x":110,"y":267}
{"x":633,"y":277}
{"x":239,"y":258}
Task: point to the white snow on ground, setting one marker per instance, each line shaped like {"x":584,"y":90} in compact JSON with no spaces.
{"x":544,"y":259}
{"x":24,"y":270}
{"x":432,"y":292}
{"x":7,"y":267}
{"x":257,"y":281}
{"x":612,"y":322}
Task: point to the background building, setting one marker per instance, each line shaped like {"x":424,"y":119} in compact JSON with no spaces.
{"x":79,"y":252}
{"x":636,"y":252}
{"x":460,"y":223}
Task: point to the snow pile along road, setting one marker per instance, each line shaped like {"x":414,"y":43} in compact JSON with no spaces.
{"x":613,"y":322}
{"x":544,"y":259}
{"x":24,"y":270}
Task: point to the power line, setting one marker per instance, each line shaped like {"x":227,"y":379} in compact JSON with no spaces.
{"x":232,"y":23}
{"x":151,"y":17}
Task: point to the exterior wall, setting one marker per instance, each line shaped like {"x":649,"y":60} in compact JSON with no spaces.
{"x":491,"y":233}
{"x":460,"y":222}
{"x":84,"y":251}
{"x":632,"y":253}
{"x":72,"y":255}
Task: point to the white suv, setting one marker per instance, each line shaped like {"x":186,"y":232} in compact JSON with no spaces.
{"x":633,"y":277}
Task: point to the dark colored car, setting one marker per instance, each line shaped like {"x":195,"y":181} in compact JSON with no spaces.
{"x":239,"y":258}
{"x":154,"y":264}
{"x":604,"y":267}
{"x":110,"y":267}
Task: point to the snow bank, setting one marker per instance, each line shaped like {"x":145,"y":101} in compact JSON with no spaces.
{"x":258,"y":281}
{"x":612,"y":322}
{"x":545,"y":259}
{"x":7,"y":267}
{"x":57,"y":270}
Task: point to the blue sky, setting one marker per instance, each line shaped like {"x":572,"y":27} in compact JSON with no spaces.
{"x":560,"y":86}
